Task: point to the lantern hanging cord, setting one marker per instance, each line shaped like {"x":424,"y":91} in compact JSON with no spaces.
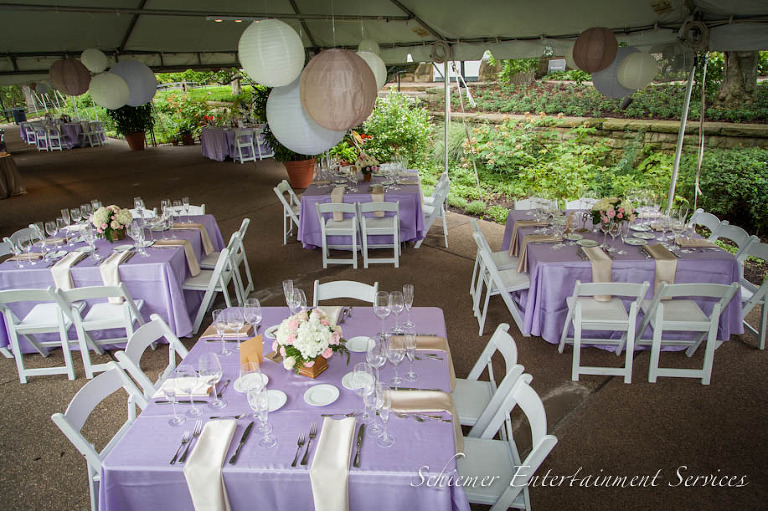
{"x":466,"y":128}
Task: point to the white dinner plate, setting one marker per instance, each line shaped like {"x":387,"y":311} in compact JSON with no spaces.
{"x":639,"y":227}
{"x":348,"y":381}
{"x":243,"y":383}
{"x":321,"y":395}
{"x":573,"y":237}
{"x":359,"y":344}
{"x":277,"y":399}
{"x":634,"y":241}
{"x":269,"y":333}
{"x":644,"y":235}
{"x":122,"y":248}
{"x":587,"y":243}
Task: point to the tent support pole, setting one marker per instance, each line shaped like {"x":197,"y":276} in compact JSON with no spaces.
{"x":680,"y":138}
{"x":447,"y":82}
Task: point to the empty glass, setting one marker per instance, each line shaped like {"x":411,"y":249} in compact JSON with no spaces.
{"x":67,"y":221}
{"x":187,"y":381}
{"x":251,"y":377}
{"x":210,"y":372}
{"x":287,"y":289}
{"x":136,"y":232}
{"x":74,"y":214}
{"x":410,"y":352}
{"x":374,"y":400}
{"x":86,"y":210}
{"x":408,"y":292}
{"x":396,"y":306}
{"x":234,"y":321}
{"x":297,"y":301}
{"x":258,"y":399}
{"x":252,"y":313}
{"x":376,"y":355}
{"x":168,"y":387}
{"x":385,"y":439}
{"x":220,"y":323}
{"x":381,"y":309}
{"x":395,"y":354}
{"x":185,"y":202}
{"x":96,"y":204}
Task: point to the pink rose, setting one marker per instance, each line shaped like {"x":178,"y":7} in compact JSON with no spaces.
{"x":275,"y":345}
{"x":100,"y":231}
{"x":327,"y":353}
{"x":291,"y":339}
{"x":325,"y":322}
{"x":620,"y":215}
{"x":604,"y":219}
{"x":282,"y":351}
{"x":309,"y":364}
{"x":293,"y":324}
{"x":103,"y":226}
{"x":335,"y":339}
{"x":621,"y":210}
{"x":611,"y":213}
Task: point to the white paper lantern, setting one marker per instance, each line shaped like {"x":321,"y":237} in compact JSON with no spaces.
{"x":293,"y":127}
{"x":377,"y":66}
{"x":606,"y":81}
{"x":637,"y":70}
{"x":140,"y":79}
{"x":271,"y":53}
{"x":94,"y":60}
{"x":109,"y":90}
{"x":368,"y":45}
{"x":569,"y":59}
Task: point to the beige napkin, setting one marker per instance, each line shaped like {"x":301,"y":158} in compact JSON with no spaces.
{"x":61,"y":270}
{"x":329,"y":473}
{"x":602,"y":267}
{"x":377,"y":195}
{"x":429,"y":401}
{"x":333,"y":312}
{"x":435,"y":343}
{"x":337,"y":197}
{"x":202,"y":389}
{"x":32,"y":256}
{"x":189,"y":252}
{"x":203,"y":468}
{"x":207,"y":245}
{"x":694,"y":243}
{"x":110,"y":272}
{"x":522,"y":266}
{"x":666,"y":265}
{"x":243,"y":333}
{"x":514,"y":246}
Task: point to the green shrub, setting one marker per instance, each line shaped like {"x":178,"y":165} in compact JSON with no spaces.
{"x":498,"y":214}
{"x":399,"y":126}
{"x":457,"y":201}
{"x":476,"y":207}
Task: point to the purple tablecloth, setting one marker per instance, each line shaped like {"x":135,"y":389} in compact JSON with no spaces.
{"x":73,"y":132}
{"x":136,"y":474}
{"x":554,"y":274}
{"x":411,"y":214}
{"x":156,"y":279}
{"x":219,"y":143}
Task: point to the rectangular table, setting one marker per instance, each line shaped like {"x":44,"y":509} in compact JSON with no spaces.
{"x":137,"y":475}
{"x":219,"y":143}
{"x":554,"y":274}
{"x":155,"y":279}
{"x":409,"y":198}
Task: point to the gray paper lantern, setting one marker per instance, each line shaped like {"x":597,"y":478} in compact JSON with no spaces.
{"x":607,"y":82}
{"x":140,"y":79}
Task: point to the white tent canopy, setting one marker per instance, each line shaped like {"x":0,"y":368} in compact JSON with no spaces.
{"x":180,"y":34}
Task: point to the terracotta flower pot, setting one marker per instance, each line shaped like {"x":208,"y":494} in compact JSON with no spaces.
{"x":188,"y":140}
{"x":300,"y":173}
{"x":136,"y":141}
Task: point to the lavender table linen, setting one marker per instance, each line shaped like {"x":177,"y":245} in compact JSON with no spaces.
{"x":73,"y":131}
{"x":136,"y":474}
{"x":554,"y":274}
{"x":156,"y":279}
{"x":408,"y":196}
{"x":214,"y":144}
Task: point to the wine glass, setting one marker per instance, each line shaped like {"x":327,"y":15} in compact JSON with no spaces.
{"x":396,"y":306}
{"x":86,"y":211}
{"x":185,"y":202}
{"x":138,"y":205}
{"x":395,"y":354}
{"x":408,"y":300}
{"x":363,"y":381}
{"x":187,"y":381}
{"x":176,"y":209}
{"x":209,"y":367}
{"x":74,"y":214}
{"x":50,"y":228}
{"x":376,"y":356}
{"x":234,"y":321}
{"x":287,"y":290}
{"x":250,"y":376}
{"x":67,"y":222}
{"x":373,"y":401}
{"x":168,"y":387}
{"x":604,"y":228}
{"x":385,"y":439}
{"x":61,"y":227}
{"x":25,"y":244}
{"x":136,"y":232}
{"x":297,"y":301}
{"x":96,"y":204}
{"x":220,"y":323}
{"x":258,"y":400}
{"x":410,"y":352}
{"x":614,"y":229}
{"x":381,"y":309}
{"x":252,"y":313}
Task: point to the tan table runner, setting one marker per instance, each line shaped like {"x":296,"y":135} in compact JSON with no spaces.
{"x":514,"y":247}
{"x":602,"y":268}
{"x":666,"y":265}
{"x":192,"y":262}
{"x":694,"y":243}
{"x":32,"y":256}
{"x":429,"y":401}
{"x":207,"y":245}
{"x":522,"y":266}
{"x":435,"y":343}
{"x":329,"y":473}
{"x":377,"y":195}
{"x":337,"y":197}
{"x":243,"y":333}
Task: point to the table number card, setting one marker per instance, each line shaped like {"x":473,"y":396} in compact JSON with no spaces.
{"x":252,"y":350}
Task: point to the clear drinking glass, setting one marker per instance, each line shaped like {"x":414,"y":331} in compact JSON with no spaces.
{"x":209,"y":367}
{"x":614,"y":229}
{"x":86,"y":211}
{"x":297,"y":301}
{"x":259,"y":403}
{"x":287,"y":289}
{"x":252,"y":313}
{"x":396,"y":306}
{"x":169,"y":391}
{"x":96,"y":204}
{"x":50,"y":228}
{"x":185,"y":202}
{"x":375,"y":401}
{"x":363,"y":380}
{"x":136,"y":232}
{"x":385,"y":439}
{"x":74,"y":214}
{"x":381,"y":309}
{"x":61,"y":227}
{"x":376,"y":355}
{"x":67,"y":221}
{"x":220,"y":323}
{"x":410,"y":352}
{"x":408,"y":291}
{"x":250,"y":376}
{"x":234,"y":321}
{"x":187,"y":381}
{"x":395,"y":355}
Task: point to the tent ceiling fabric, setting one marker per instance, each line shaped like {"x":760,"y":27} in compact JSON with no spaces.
{"x":176,"y":34}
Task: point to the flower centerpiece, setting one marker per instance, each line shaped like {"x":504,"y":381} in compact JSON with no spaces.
{"x":306,"y":340}
{"x":367,"y":163}
{"x":111,"y":221}
{"x":613,"y":209}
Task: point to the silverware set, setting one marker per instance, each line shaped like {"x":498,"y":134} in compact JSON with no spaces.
{"x":299,"y":445}
{"x":221,"y":417}
{"x":420,"y":417}
{"x":186,"y":443}
{"x":185,"y":438}
{"x":312,"y":435}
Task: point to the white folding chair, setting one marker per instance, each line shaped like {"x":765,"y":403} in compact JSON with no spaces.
{"x":740,"y":237}
{"x":148,"y":213}
{"x":291,"y":208}
{"x":80,"y":408}
{"x":581,"y":203}
{"x":348,"y":227}
{"x":46,"y":316}
{"x":97,"y":128}
{"x":587,"y":313}
{"x":212,"y":282}
{"x":193,"y":210}
{"x":478,"y":400}
{"x":89,"y":135}
{"x":53,"y":133}
{"x":101,"y":315}
{"x":708,"y":220}
{"x":237,"y":253}
{"x":144,"y":337}
{"x":6,"y":248}
{"x":344,"y":289}
{"x":535,"y":202}
{"x":503,"y":261}
{"x":752,"y":295}
{"x":442,"y":181}
{"x":262,"y":148}
{"x":24,"y":234}
{"x":29,"y":131}
{"x":244,"y":148}
{"x":433,"y":211}
{"x":42,"y":139}
{"x":667,"y":312}
{"x":381,"y":226}
{"x":498,"y":282}
{"x":484,"y":455}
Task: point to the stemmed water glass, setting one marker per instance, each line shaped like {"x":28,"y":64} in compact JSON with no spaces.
{"x":86,"y":210}
{"x":382,"y":309}
{"x":297,"y":301}
{"x":252,"y":312}
{"x":185,"y":202}
{"x":396,"y":306}
{"x":169,"y":391}
{"x":210,"y":372}
{"x":408,"y":291}
{"x":26,"y":244}
{"x":67,"y":221}
{"x":604,"y":228}
{"x":410,"y":352}
{"x":287,"y":290}
{"x":614,"y":229}
{"x":258,"y":399}
{"x":373,"y":401}
{"x":234,"y":321}
{"x":395,"y":354}
{"x":376,"y":355}
{"x":363,"y":381}
{"x":220,"y":323}
{"x":96,"y":204}
{"x":250,"y":376}
{"x":89,"y":235}
{"x":385,"y":439}
{"x":61,"y":227}
{"x":136,"y":232}
{"x":16,"y":250}
{"x":75,"y":215}
{"x":187,"y":381}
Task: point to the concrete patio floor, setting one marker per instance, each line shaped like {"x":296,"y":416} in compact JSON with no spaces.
{"x":676,"y":427}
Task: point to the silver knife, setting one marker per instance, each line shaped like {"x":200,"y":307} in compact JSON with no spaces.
{"x":415,"y":389}
{"x":221,"y":389}
{"x":186,"y":402}
{"x":360,"y":434}
{"x":243,"y":438}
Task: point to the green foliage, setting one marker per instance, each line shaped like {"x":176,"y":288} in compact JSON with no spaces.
{"x":511,"y":67}
{"x":182,"y":114}
{"x":132,"y":119}
{"x":399,"y":127}
{"x":476,"y":207}
{"x":11,"y":96}
{"x":456,"y":137}
{"x":571,"y":75}
{"x":457,"y":201}
{"x":498,"y":213}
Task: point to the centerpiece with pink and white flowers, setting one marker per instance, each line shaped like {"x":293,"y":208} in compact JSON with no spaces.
{"x":306,"y":339}
{"x":111,"y":222}
{"x":613,"y":209}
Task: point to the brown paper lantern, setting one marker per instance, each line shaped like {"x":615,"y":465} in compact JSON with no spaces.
{"x":595,"y":49}
{"x":70,"y":77}
{"x":338,"y":89}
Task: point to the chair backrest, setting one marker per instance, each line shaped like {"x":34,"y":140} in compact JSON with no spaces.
{"x":223,"y":269}
{"x":581,"y":203}
{"x":244,"y":136}
{"x":193,"y":210}
{"x":280,"y":190}
{"x":735,"y":234}
{"x":386,"y":207}
{"x":331,"y":207}
{"x":344,"y":289}
{"x":244,"y":228}
{"x":534,"y":202}
{"x":148,"y":213}
{"x":477,"y":234}
{"x":78,"y":294}
{"x":22,"y":234}
{"x":85,"y":401}
{"x":8,"y":296}
{"x":143,"y":338}
{"x":708,"y":220}
{"x":759,"y":291}
{"x":493,"y":272}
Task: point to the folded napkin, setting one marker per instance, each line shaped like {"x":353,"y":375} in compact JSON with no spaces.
{"x":377,"y":195}
{"x":435,"y":343}
{"x":61,"y":270}
{"x":694,"y":243}
{"x":189,"y":252}
{"x":666,"y":265}
{"x":243,"y":333}
{"x":329,"y":473}
{"x":110,"y":272}
{"x":203,"y":468}
{"x":32,"y":256}
{"x":602,"y":267}
{"x":207,"y":245}
{"x":333,"y":312}
{"x":429,"y":401}
{"x":514,"y":245}
{"x":202,"y":389}
{"x":533,"y":238}
{"x":337,"y":197}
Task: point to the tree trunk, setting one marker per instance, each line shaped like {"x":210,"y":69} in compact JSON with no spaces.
{"x":740,"y":78}
{"x":236,"y":88}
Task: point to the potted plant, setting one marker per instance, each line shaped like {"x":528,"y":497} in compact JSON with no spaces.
{"x":132,"y":122}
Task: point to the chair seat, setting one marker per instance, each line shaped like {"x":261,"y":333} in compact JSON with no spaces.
{"x":296,"y":209}
{"x":471,"y":397}
{"x":505,"y":261}
{"x":209,"y":262}
{"x":346,"y":224}
{"x":514,"y":280}
{"x":104,"y":315}
{"x":427,"y":201}
{"x":200,"y":281}
{"x":747,"y":294}
{"x":42,"y":317}
{"x":601,"y":312}
{"x":680,"y":313}
{"x":428,"y":209}
{"x":484,"y":458}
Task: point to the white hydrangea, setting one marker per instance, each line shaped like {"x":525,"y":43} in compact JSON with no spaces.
{"x":124,"y":216}
{"x":101,"y":217}
{"x":311,"y":334}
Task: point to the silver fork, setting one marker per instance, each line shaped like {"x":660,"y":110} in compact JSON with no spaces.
{"x":184,"y":440}
{"x":196,"y":433}
{"x":299,"y":445}
{"x":312,"y":435}
{"x":214,"y":417}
